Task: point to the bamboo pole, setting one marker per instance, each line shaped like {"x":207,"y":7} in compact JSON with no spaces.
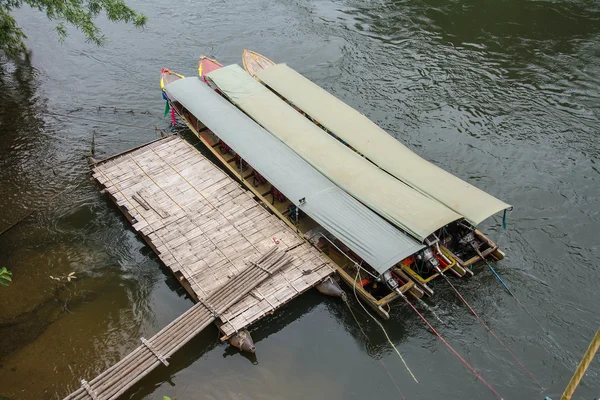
{"x":144,"y":358}
{"x":102,"y":381}
{"x":583,"y":366}
{"x":141,"y":361}
{"x":157,"y":341}
{"x":186,"y":318}
{"x":150,"y":362}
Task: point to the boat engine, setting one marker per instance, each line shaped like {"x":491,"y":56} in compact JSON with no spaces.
{"x":389,"y":280}
{"x":428,"y":259}
{"x":469,"y":240}
{"x":464,"y":242}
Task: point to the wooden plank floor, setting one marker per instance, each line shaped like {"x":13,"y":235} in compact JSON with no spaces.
{"x":206,"y":227}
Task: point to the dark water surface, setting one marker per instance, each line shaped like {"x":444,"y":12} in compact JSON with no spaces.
{"x":505,"y":94}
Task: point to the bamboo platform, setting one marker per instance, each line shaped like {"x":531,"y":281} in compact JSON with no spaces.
{"x":206,"y":228}
{"x":235,"y":258}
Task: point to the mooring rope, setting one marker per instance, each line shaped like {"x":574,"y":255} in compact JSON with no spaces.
{"x":382,"y":328}
{"x":100,"y":121}
{"x":345,"y":300}
{"x":513,"y":295}
{"x":109,"y":108}
{"x":452,"y":349}
{"x":488,"y":328}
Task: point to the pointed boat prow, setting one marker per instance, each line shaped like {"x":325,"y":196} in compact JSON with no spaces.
{"x":167,"y":76}
{"x":206,"y":65}
{"x":254,"y":62}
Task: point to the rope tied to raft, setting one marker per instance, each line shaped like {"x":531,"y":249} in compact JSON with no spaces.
{"x":382,"y":328}
{"x":34,"y":210}
{"x":55,"y":114}
{"x":345,"y":299}
{"x":514,"y":296}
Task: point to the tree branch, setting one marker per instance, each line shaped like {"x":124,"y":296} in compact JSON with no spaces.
{"x":78,"y":13}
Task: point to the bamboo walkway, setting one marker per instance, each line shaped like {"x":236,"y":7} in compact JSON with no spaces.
{"x":235,"y":258}
{"x":151,"y":353}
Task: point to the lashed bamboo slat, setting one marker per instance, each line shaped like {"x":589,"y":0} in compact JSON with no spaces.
{"x":204,"y":226}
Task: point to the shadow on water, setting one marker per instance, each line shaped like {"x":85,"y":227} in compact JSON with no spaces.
{"x":284,"y":318}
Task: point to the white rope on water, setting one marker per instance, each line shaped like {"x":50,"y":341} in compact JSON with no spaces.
{"x":382,"y":328}
{"x":345,"y":300}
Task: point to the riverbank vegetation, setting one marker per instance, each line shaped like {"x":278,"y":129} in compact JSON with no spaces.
{"x":80,"y":14}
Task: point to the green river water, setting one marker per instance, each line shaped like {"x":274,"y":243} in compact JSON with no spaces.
{"x":505,"y":94}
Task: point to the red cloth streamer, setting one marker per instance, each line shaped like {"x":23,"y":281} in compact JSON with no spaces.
{"x":454,"y":351}
{"x":173,"y":120}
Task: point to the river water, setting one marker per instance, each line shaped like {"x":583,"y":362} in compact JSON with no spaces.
{"x":504,"y":94}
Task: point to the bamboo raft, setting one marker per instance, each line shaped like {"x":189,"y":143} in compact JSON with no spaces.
{"x":214,"y":237}
{"x":205,"y":227}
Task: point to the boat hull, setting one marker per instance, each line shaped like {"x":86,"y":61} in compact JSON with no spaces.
{"x":254,"y":62}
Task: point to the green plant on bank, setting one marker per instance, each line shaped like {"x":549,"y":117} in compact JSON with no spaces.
{"x":78,"y":13}
{"x":167,"y":398}
{"x":5,"y":276}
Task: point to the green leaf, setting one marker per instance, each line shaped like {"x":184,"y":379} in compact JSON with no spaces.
{"x":6,"y":278}
{"x":77,"y":13}
{"x":3,"y":282}
{"x":166,"y":398}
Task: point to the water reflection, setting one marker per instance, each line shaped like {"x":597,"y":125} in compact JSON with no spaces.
{"x":60,"y":331}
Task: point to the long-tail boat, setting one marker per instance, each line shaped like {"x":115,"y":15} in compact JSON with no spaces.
{"x":366,"y":138}
{"x":367,"y":250}
{"x":408,"y":209}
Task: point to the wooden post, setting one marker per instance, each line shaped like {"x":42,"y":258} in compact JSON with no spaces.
{"x":583,"y":366}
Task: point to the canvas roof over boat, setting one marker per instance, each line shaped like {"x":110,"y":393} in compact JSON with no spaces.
{"x":364,"y":232}
{"x":398,"y":203}
{"x":379,"y":147}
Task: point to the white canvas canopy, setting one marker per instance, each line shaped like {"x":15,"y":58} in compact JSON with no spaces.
{"x":398,"y":203}
{"x":364,"y":232}
{"x":379,"y":147}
